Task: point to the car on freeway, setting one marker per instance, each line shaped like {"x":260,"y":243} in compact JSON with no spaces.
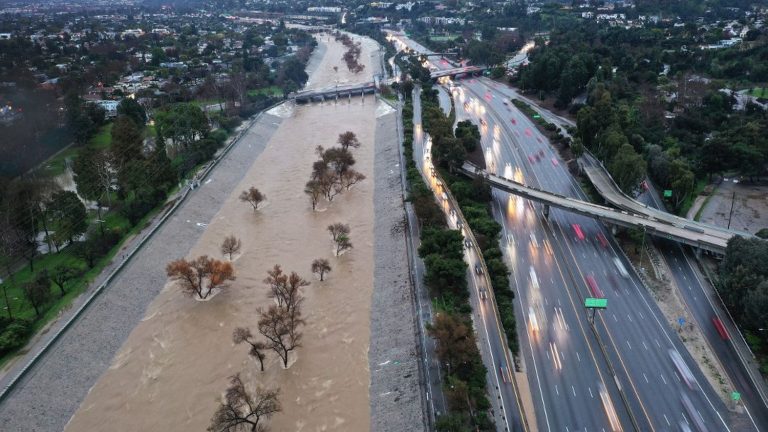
{"x":467,"y":243}
{"x":548,"y":247}
{"x":478,"y":269}
{"x":602,"y":240}
{"x":483,"y":122}
{"x":554,"y":161}
{"x":720,"y":328}
{"x":533,"y":321}
{"x":593,"y":288}
{"x":483,"y":294}
{"x":531,"y":159}
{"x":514,"y":122}
{"x":696,"y":420}
{"x":683,"y":369}
{"x":534,"y":278}
{"x":510,"y":239}
{"x":534,"y":242}
{"x":620,"y":267}
{"x":578,"y":231}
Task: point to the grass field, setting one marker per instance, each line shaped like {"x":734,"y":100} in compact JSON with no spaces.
{"x":267,"y":91}
{"x":58,"y":164}
{"x":759,"y":92}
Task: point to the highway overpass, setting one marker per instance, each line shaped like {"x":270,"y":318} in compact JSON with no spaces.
{"x":684,"y":233}
{"x":456,"y":71}
{"x":611,"y":192}
{"x":335,"y":92}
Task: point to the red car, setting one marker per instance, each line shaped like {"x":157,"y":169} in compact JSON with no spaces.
{"x":514,"y":122}
{"x":593,"y":288}
{"x":527,"y":131}
{"x":721,"y":328}
{"x":601,"y":238}
{"x":577,"y":230}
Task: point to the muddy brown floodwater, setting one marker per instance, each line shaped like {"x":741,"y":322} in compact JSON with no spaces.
{"x":170,"y":373}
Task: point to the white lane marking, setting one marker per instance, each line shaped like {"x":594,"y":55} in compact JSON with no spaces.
{"x":641,"y":315}
{"x":614,"y":318}
{"x":646,"y":378}
{"x":590,"y":392}
{"x":578,"y":357}
{"x":665,"y":418}
{"x":630,"y":346}
{"x":573,"y":390}
{"x":657,"y":343}
{"x":630,"y":318}
{"x":556,"y":390}
{"x":662,"y":378}
{"x":645,"y":346}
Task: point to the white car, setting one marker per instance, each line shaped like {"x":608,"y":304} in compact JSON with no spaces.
{"x":534,"y":278}
{"x":620,"y":267}
{"x":534,"y":242}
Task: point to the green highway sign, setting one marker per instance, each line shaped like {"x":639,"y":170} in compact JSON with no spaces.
{"x":596,"y":303}
{"x":735,"y":396}
{"x":536,"y":116}
{"x":667,"y":193}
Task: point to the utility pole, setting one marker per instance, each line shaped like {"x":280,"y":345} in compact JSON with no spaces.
{"x":730,"y":214}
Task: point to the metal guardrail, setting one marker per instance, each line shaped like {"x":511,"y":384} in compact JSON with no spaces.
{"x":491,"y":296}
{"x":180,"y":200}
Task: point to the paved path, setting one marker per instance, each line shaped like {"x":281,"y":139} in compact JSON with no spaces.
{"x":46,"y":398}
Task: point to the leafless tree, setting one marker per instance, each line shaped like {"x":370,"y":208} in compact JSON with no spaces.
{"x":201,"y":275}
{"x":243,"y":334}
{"x":350,"y":178}
{"x":281,"y":330}
{"x":314,"y":191}
{"x":321,"y":266}
{"x":231,"y":246}
{"x":338,"y":229}
{"x":243,"y":411}
{"x":285,"y":288}
{"x":331,"y":186}
{"x":348,"y":139}
{"x":338,"y":159}
{"x":342,"y":244}
{"x":253,"y":197}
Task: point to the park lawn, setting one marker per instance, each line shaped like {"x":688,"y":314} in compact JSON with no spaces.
{"x":56,"y":165}
{"x":23,"y":309}
{"x":267,"y":91}
{"x":759,"y":92}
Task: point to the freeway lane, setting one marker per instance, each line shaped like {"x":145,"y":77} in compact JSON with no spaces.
{"x":651,"y":368}
{"x":569,"y":387}
{"x":491,"y":340}
{"x":701,"y":302}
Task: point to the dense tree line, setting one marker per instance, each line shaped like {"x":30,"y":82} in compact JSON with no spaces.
{"x":744,"y":289}
{"x":631,"y":122}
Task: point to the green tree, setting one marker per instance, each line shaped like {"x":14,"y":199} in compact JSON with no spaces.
{"x":127,"y":140}
{"x":182,"y":123}
{"x":627,"y":168}
{"x":132,"y":109}
{"x":38,"y":291}
{"x":69,"y":214}
{"x":682,"y":181}
{"x":446,"y":275}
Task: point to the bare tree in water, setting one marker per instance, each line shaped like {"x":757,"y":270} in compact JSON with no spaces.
{"x":244,"y":411}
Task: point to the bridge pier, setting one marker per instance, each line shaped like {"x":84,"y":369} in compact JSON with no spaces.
{"x":546,"y":211}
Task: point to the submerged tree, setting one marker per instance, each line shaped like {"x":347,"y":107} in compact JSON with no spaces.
{"x":243,"y":411}
{"x":280,"y":327}
{"x":231,"y":246}
{"x":348,"y":139}
{"x":321,"y":266}
{"x":243,"y":334}
{"x":253,"y":197}
{"x":201,"y":275}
